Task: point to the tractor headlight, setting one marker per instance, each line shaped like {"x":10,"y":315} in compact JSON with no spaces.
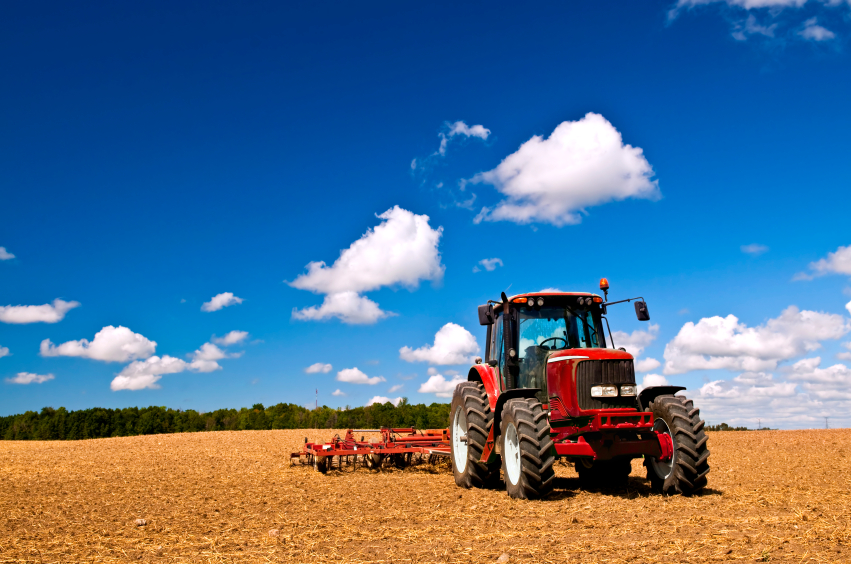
{"x":512,"y":353}
{"x":530,"y":302}
{"x":540,"y":302}
{"x":604,"y":391}
{"x":628,"y":390}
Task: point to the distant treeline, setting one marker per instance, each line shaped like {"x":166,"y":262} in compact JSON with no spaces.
{"x":725,"y":427}
{"x":96,"y":423}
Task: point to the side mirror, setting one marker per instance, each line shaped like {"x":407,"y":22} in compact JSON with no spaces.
{"x":486,"y":314}
{"x":641,"y":311}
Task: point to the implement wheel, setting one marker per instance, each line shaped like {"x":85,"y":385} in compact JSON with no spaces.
{"x":469,"y":424}
{"x":320,"y":464}
{"x":527,"y":459}
{"x":373,"y":460}
{"x":686,"y":471}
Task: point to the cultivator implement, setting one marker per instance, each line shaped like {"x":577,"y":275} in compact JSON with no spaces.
{"x":397,"y":446}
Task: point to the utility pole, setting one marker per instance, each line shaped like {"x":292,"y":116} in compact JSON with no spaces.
{"x":317,"y":398}
{"x":825,"y":423}
{"x":759,"y":423}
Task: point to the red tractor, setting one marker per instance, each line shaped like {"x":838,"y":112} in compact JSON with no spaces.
{"x":551,"y":386}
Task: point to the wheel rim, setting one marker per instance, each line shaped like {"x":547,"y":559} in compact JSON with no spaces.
{"x":459,"y":449}
{"x":512,"y":454}
{"x":664,"y":469}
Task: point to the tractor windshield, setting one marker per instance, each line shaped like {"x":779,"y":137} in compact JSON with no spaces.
{"x":550,"y":329}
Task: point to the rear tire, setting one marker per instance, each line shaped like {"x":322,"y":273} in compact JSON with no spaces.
{"x":686,"y":472}
{"x":527,"y":458}
{"x":470,"y":417}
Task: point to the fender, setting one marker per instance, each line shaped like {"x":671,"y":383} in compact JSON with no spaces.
{"x":647,"y":395}
{"x":487,"y":376}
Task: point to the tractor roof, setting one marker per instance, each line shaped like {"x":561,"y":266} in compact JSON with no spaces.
{"x":522,"y":297}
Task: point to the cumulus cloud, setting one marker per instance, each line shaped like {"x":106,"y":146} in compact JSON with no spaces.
{"x":110,"y":344}
{"x":382,"y":400}
{"x":142,"y":374}
{"x":355,"y":376}
{"x":220,"y":301}
{"x":488,"y":264}
{"x":582,"y":164}
{"x":450,"y":131}
{"x":452,"y":345}
{"x":395,"y":388}
{"x":338,"y":392}
{"x":725,"y":343}
{"x":402,"y":250}
{"x":47,"y":313}
{"x":5,"y":255}
{"x":318,"y":367}
{"x":4,"y":351}
{"x":30,"y":378}
{"x":637,"y":341}
{"x":438,"y":385}
{"x":348,"y":307}
{"x":647,"y":364}
{"x":651,"y":380}
{"x":754,"y":249}
{"x":231,"y":338}
{"x":815,"y":32}
{"x":806,"y":395}
{"x":838,"y":262}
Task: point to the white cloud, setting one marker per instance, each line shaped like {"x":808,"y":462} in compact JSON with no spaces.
{"x":401,"y":250}
{"x":4,"y":351}
{"x":220,"y":301}
{"x":744,"y":29}
{"x":583,"y":163}
{"x":338,"y":392}
{"x":355,"y":376}
{"x":450,"y":131}
{"x":848,"y":307}
{"x":143,"y":374}
{"x":395,"y":388}
{"x":651,"y":380}
{"x":438,"y":385}
{"x":110,"y":344}
{"x":724,"y":343}
{"x":828,"y":384}
{"x":383,"y":400}
{"x":647,"y":364}
{"x":488,"y":264}
{"x":815,"y":32}
{"x":46,"y":313}
{"x":754,"y":249}
{"x":637,"y":341}
{"x":30,"y":378}
{"x":318,"y":367}
{"x":348,"y":307}
{"x":838,"y":262}
{"x":452,"y":345}
{"x":231,"y":338}
{"x":6,"y":255}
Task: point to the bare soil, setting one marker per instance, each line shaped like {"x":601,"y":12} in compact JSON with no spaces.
{"x":779,"y":496}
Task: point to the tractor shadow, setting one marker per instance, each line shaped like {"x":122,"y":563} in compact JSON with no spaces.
{"x":635,"y":488}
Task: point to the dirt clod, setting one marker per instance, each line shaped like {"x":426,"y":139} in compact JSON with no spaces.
{"x":141,"y":522}
{"x":503,"y":558}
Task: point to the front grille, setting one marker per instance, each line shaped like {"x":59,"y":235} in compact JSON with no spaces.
{"x":595,"y":372}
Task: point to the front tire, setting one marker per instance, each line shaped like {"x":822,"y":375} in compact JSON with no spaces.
{"x":527,"y":458}
{"x":686,"y":472}
{"x":469,"y":424}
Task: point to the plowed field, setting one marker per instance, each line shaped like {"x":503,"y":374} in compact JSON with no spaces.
{"x":214,"y":497}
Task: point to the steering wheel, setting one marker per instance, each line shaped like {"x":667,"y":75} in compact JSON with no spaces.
{"x":541,"y":344}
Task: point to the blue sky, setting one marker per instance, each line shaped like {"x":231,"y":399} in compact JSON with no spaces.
{"x":155,"y":157}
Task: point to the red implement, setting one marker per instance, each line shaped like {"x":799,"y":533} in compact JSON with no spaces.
{"x":400,"y":444}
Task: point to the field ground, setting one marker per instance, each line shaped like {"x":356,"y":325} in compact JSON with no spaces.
{"x":778,"y":496}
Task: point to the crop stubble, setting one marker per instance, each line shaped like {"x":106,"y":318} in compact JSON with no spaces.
{"x":214,"y":497}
